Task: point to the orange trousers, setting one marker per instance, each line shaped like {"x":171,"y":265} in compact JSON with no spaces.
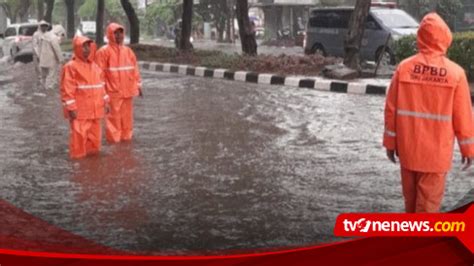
{"x":423,"y":192}
{"x":85,"y":137}
{"x":119,"y":122}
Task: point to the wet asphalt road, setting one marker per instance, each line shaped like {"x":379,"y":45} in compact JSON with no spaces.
{"x":215,"y":166}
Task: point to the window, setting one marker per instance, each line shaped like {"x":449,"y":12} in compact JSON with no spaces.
{"x":318,"y":20}
{"x":28,"y":30}
{"x":395,"y":18}
{"x":338,"y":19}
{"x":371,"y":24}
{"x":10,"y":32}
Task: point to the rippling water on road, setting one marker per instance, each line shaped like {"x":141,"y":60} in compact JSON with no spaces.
{"x":215,"y":166}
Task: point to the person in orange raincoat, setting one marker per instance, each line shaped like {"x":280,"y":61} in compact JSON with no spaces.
{"x":84,"y":99}
{"x":427,"y":106}
{"x":123,"y":82}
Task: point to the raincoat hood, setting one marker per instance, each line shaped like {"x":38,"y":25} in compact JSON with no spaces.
{"x":110,"y":32}
{"x":77,"y":43}
{"x":434,"y":36}
{"x":43,"y":22}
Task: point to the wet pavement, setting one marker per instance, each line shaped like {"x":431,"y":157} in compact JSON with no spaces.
{"x":215,"y":165}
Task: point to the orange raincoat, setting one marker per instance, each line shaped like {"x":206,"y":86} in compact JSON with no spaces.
{"x":83,"y":91}
{"x":427,"y":106}
{"x":123,"y":82}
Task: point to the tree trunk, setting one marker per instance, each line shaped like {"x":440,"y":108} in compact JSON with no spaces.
{"x":23,"y":10}
{"x":133,"y":21}
{"x":355,"y":34}
{"x":233,"y":24}
{"x":220,"y":35}
{"x":99,"y":35}
{"x":228,"y":31}
{"x":186,"y":27}
{"x":70,"y":28}
{"x":49,"y":11}
{"x":40,"y":4}
{"x":220,"y":27}
{"x":246,"y":32}
{"x":229,"y":11}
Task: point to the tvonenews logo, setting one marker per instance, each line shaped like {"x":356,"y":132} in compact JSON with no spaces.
{"x":460,"y":225}
{"x":364,"y":225}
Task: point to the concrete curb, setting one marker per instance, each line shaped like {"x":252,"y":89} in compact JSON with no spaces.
{"x":358,"y":87}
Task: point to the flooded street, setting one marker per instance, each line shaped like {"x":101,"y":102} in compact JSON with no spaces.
{"x":215,"y":165}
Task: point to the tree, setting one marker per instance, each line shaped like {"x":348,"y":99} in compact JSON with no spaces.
{"x":23,"y":10}
{"x":159,"y":15}
{"x":186,"y":26}
{"x":40,"y":5}
{"x":216,"y":11}
{"x":133,"y":20}
{"x":17,"y":11}
{"x":355,"y":34}
{"x":113,"y":11}
{"x":49,"y":11}
{"x":230,"y":21}
{"x":246,"y":31}
{"x":448,"y":9}
{"x":99,"y":35}
{"x":70,"y":28}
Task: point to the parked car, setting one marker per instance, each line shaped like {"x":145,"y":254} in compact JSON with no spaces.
{"x":17,"y":37}
{"x":25,"y":52}
{"x":327,"y":29}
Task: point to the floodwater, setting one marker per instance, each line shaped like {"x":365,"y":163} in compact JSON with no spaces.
{"x":215,"y":166}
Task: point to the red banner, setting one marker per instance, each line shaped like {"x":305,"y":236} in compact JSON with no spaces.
{"x":27,"y":240}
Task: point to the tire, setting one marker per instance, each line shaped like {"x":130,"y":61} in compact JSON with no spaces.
{"x":388,"y":57}
{"x":318,"y":49}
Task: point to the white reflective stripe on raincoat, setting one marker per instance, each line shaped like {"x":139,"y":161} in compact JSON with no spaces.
{"x":466,"y":141}
{"x":390,"y":133}
{"x":122,"y":68}
{"x":424,"y":115}
{"x":95,"y":86}
{"x":69,"y":102}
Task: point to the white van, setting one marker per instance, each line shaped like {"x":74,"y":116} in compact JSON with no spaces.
{"x":16,"y":36}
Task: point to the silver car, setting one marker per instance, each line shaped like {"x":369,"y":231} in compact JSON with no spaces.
{"x":327,"y":29}
{"x":17,"y":37}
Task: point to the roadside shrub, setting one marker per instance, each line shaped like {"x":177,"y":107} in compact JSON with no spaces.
{"x":281,"y":64}
{"x":405,"y":47}
{"x":461,"y":51}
